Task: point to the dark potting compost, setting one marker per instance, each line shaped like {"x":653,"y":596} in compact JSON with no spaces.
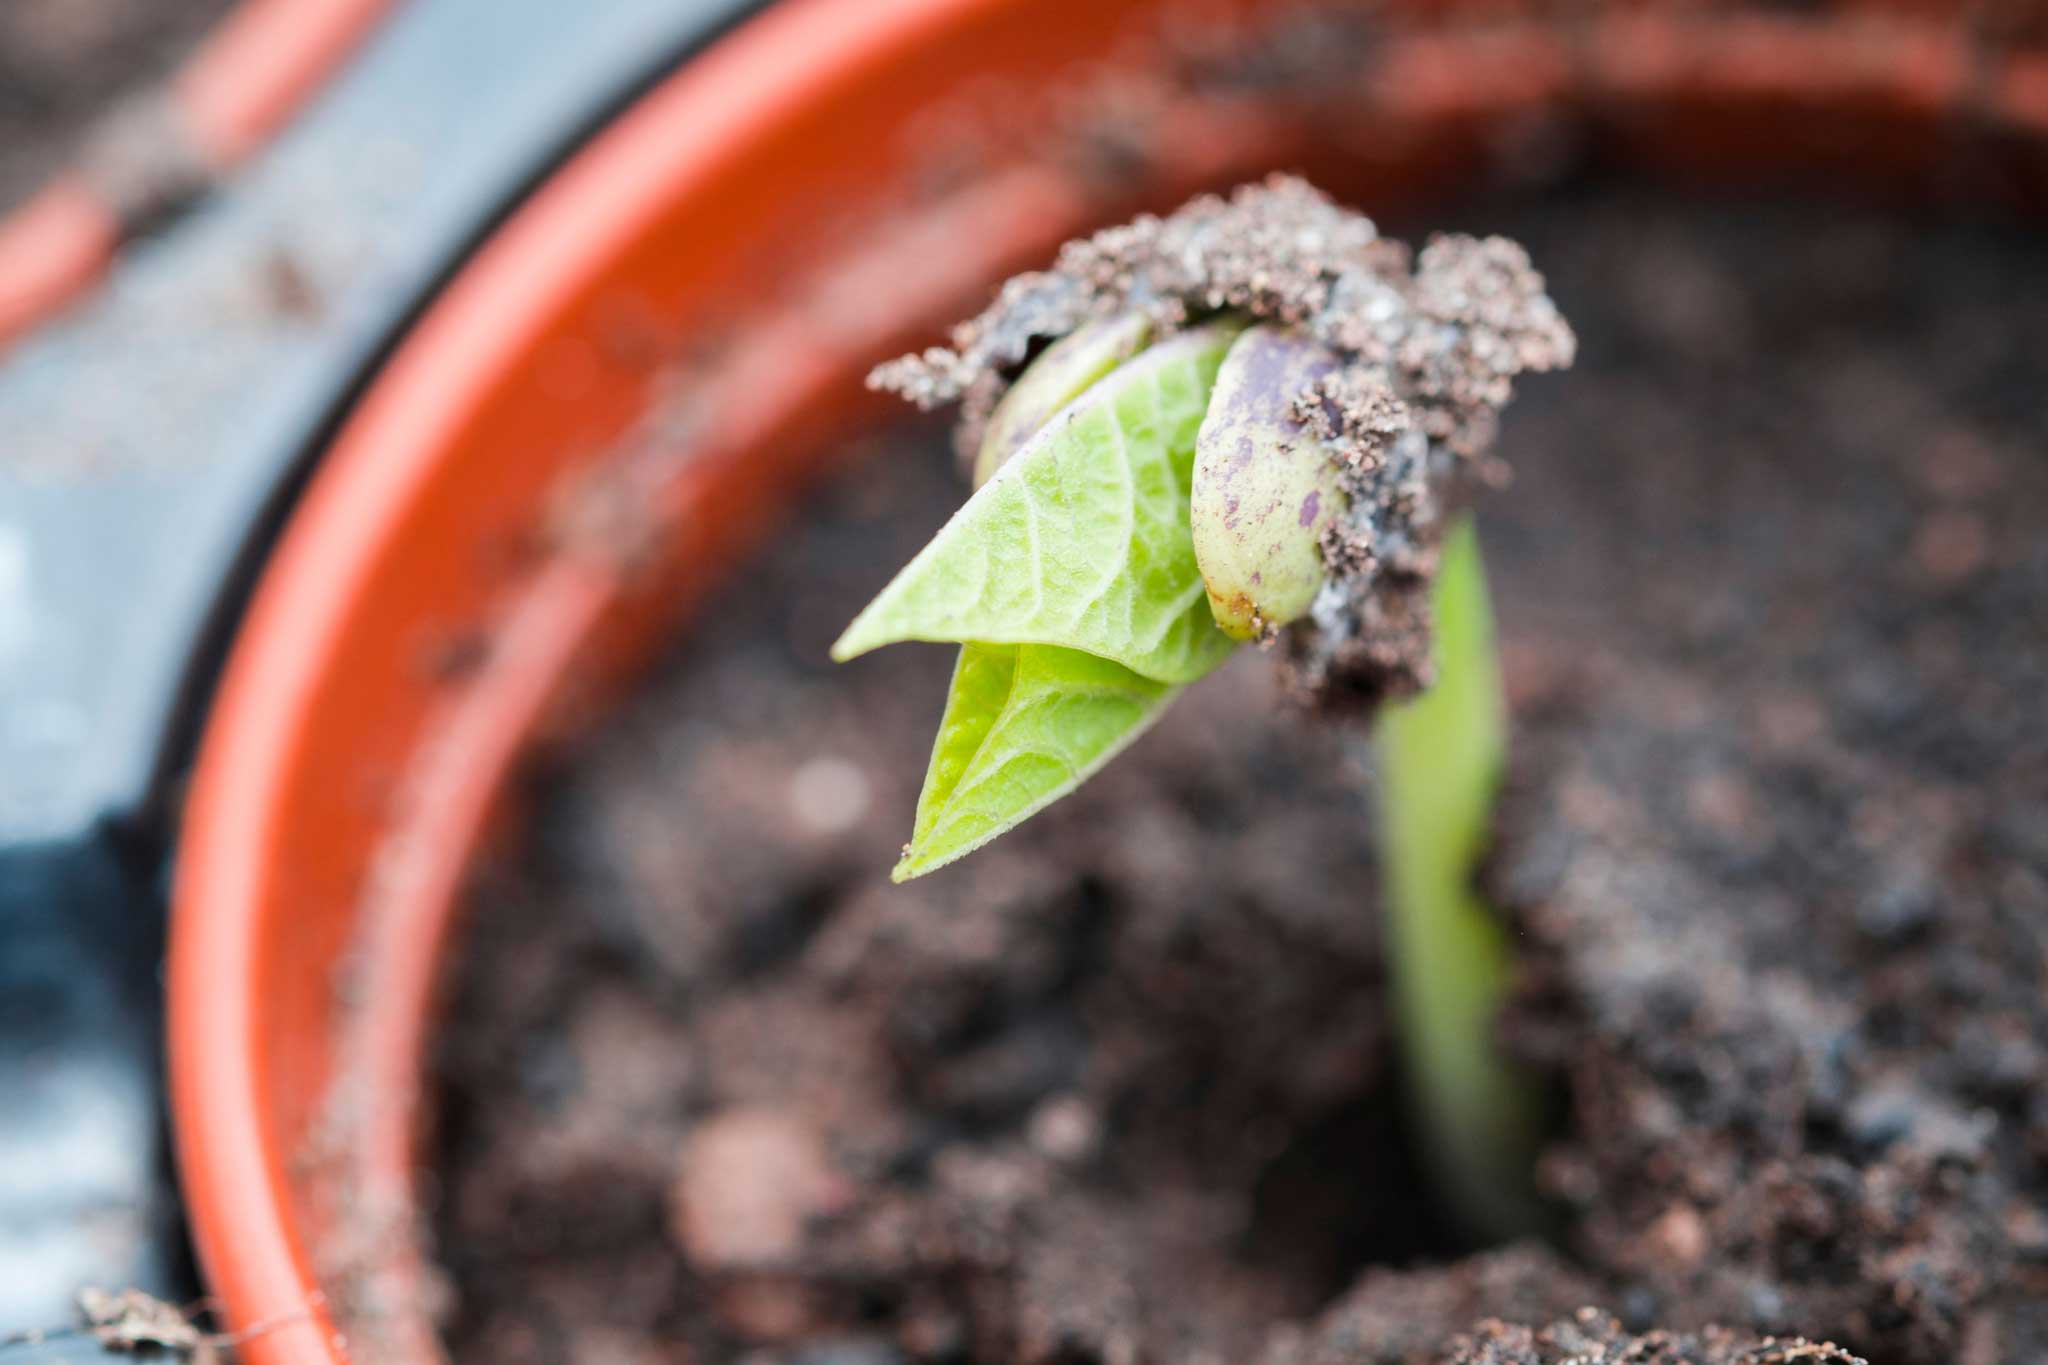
{"x":1773,"y":596}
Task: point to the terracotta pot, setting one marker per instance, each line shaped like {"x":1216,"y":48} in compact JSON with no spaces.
{"x":621,"y":391}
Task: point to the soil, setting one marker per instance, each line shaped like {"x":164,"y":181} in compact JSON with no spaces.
{"x":1120,"y":1087}
{"x":65,"y":64}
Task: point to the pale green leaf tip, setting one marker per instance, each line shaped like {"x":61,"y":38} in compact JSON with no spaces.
{"x":916,"y":863}
{"x":857,"y":639}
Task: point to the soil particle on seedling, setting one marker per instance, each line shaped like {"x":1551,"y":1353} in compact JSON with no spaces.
{"x":1775,"y":850}
{"x":1426,"y":349}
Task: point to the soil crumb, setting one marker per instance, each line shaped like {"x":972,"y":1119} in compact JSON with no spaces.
{"x":1119,"y":1087}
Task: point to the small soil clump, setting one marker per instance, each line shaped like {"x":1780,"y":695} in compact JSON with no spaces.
{"x":1119,"y":1087}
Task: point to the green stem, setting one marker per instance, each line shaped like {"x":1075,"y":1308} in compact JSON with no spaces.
{"x":1441,"y":758}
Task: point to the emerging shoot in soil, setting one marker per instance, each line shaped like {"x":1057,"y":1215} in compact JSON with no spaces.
{"x":1441,"y":759}
{"x":1254,"y":421}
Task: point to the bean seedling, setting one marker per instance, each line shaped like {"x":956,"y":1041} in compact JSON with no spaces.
{"x":1256,"y":420}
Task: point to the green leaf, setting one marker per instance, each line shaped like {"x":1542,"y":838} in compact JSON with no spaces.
{"x":1024,"y":725}
{"x":1062,"y":373}
{"x":1081,"y":540}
